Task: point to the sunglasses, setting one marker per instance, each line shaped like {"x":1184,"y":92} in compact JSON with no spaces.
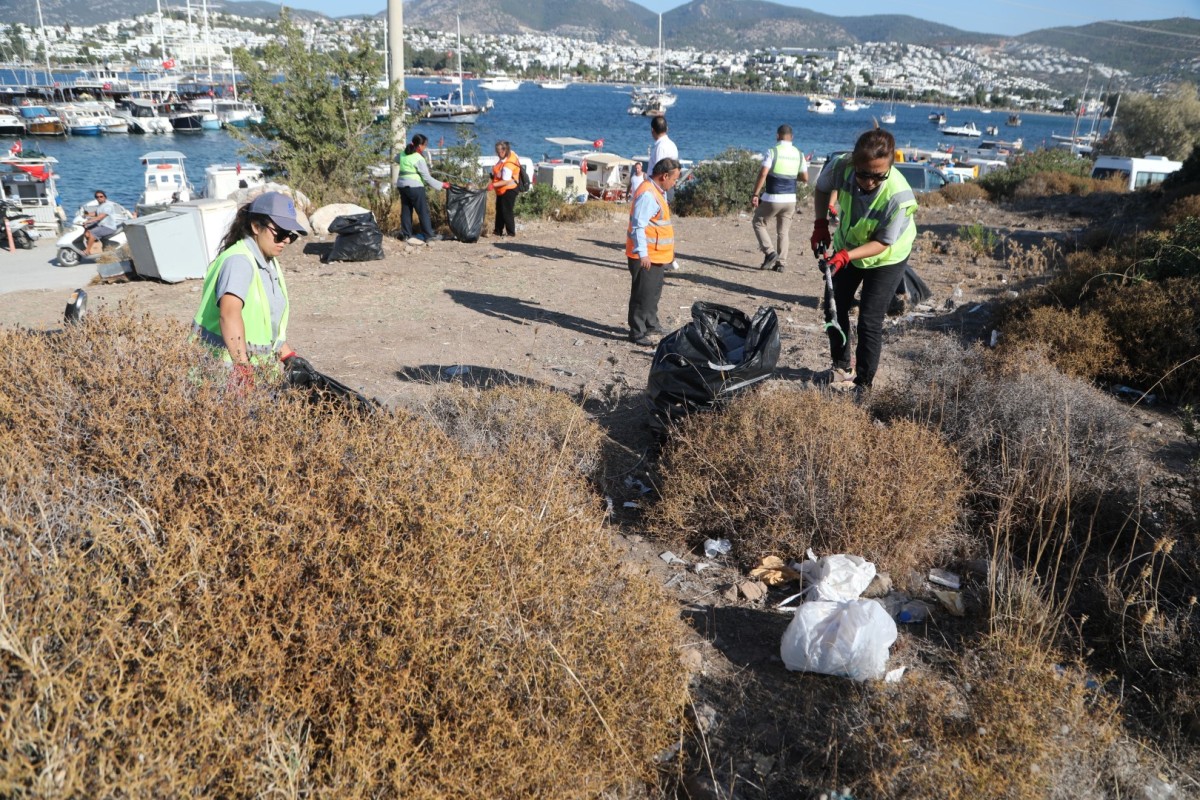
{"x":877,"y":177}
{"x":282,"y":236}
{"x":101,"y":197}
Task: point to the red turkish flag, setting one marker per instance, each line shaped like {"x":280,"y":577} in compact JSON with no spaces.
{"x":169,"y":64}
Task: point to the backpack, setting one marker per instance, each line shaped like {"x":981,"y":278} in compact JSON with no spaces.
{"x":522,"y":179}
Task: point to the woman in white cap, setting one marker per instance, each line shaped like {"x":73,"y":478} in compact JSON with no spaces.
{"x":243,"y":312}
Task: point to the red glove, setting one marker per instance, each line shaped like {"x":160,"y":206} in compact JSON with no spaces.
{"x":241,"y":379}
{"x":838,"y":260}
{"x":820,"y":235}
{"x":445,"y":184}
{"x":285,"y":355}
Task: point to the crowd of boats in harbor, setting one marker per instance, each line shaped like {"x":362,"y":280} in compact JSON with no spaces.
{"x":88,"y":116}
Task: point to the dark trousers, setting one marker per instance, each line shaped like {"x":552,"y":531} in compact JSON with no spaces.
{"x":412,"y":198}
{"x":879,"y":285}
{"x":506,"y":205}
{"x":643,"y":298}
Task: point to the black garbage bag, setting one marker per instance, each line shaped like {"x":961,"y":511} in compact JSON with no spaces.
{"x":302,"y":376}
{"x":358,"y":238}
{"x":912,"y":290}
{"x":720,"y":352}
{"x":466,"y":209}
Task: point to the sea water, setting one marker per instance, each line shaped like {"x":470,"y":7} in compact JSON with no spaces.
{"x":703,"y":124}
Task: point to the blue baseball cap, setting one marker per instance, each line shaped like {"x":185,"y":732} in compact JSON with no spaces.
{"x":280,"y":209}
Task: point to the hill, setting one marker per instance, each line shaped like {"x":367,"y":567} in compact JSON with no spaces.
{"x":1141,"y":48}
{"x":596,"y":20}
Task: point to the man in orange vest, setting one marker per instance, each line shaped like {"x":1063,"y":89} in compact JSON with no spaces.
{"x":649,"y":247}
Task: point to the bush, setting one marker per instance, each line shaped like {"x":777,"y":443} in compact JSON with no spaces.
{"x":931,"y":200}
{"x":1036,"y":442}
{"x":981,"y":240}
{"x":207,"y":595}
{"x":1077,"y":343}
{"x":542,"y":201}
{"x":960,"y":193}
{"x":781,"y":471}
{"x":1181,"y":210}
{"x":719,"y":186}
{"x":1049,"y":184}
{"x":1003,"y":183}
{"x":1012,"y":721}
{"x":1157,"y":328}
{"x":1167,"y":125}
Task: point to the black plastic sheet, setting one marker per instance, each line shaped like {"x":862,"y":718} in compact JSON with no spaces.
{"x":719,"y":353}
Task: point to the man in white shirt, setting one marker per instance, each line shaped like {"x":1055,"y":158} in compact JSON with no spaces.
{"x":774,"y":198}
{"x":662,"y":147}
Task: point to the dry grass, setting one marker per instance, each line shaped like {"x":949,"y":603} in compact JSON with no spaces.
{"x":1158,"y":326}
{"x":1012,"y":720}
{"x":931,"y":200}
{"x":1046,"y":184}
{"x":1078,"y":343}
{"x":244,"y":597}
{"x":783,"y":470}
{"x":1180,"y":210}
{"x":954,"y":193}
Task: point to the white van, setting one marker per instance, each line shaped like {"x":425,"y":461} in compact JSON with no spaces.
{"x":1137,"y":172}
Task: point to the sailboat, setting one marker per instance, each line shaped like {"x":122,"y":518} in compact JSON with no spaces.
{"x":889,"y":117}
{"x":650,"y":102}
{"x":446,"y":109}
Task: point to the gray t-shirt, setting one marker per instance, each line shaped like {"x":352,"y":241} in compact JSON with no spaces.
{"x":830,"y":180}
{"x":238,"y":271}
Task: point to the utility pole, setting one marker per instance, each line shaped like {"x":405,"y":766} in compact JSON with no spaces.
{"x":395,"y":48}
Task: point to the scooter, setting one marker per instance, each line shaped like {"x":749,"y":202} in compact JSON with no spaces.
{"x":22,"y":226}
{"x":72,"y":245}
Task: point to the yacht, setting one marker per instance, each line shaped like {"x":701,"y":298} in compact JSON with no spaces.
{"x":142,"y":116}
{"x":960,"y":130}
{"x":10,"y":123}
{"x":166,"y":181}
{"x":821,"y":105}
{"x":78,"y":122}
{"x":449,"y":110}
{"x":499,"y":83}
{"x":653,"y":102}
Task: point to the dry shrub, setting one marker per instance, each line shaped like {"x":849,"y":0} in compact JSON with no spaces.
{"x":1078,"y":343}
{"x":961,"y":193}
{"x":509,"y":420}
{"x":1158,"y":326}
{"x":931,"y":200}
{"x":1033,"y":261}
{"x":1041,"y":445}
{"x":589,"y":211}
{"x":1015,"y":721}
{"x":1180,"y":210}
{"x":783,"y":470}
{"x":1048,"y":184}
{"x":206,"y":595}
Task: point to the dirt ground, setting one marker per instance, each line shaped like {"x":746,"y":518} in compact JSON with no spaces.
{"x":549,"y":306}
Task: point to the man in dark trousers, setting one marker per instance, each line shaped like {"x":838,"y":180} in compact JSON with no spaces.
{"x":649,"y":247}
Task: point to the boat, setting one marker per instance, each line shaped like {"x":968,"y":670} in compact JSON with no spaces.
{"x":79,"y":123}
{"x":104,"y":116}
{"x":223,"y":180}
{"x":821,"y":105}
{"x":499,"y":82}
{"x":237,"y":113}
{"x":992,"y":130}
{"x":960,"y":130}
{"x":451,"y":109}
{"x":206,"y":108}
{"x":1013,"y":121}
{"x":29,"y":180}
{"x":166,"y":181}
{"x":142,"y":116}
{"x":606,"y":174}
{"x":40,"y":121}
{"x":553,"y":84}
{"x":653,"y":101}
{"x":889,"y":117}
{"x":101,"y":81}
{"x":851,"y":104}
{"x":10,"y":123}
{"x":937,"y":117}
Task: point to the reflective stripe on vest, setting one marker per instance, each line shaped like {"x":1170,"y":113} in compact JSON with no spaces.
{"x":261,"y":343}
{"x":894,"y":197}
{"x":660,"y":232}
{"x":408,"y":165}
{"x":513,"y":163}
{"x":784,"y":169}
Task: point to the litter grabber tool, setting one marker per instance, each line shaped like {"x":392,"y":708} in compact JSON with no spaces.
{"x":831,"y":320}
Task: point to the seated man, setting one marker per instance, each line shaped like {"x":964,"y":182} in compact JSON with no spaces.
{"x":107,"y":219}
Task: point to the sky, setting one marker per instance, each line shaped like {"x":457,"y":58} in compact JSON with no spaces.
{"x":993,"y":16}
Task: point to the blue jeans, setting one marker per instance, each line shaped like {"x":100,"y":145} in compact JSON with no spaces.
{"x":412,"y":198}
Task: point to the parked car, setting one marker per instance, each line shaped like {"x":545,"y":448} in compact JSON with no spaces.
{"x":922,"y":177}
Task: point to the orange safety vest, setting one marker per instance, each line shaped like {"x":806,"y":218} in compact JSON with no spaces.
{"x":660,"y":233}
{"x":512,"y":162}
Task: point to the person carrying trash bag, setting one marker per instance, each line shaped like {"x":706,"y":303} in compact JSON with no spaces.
{"x":414,"y":174}
{"x":649,"y":247}
{"x":244,"y":305}
{"x":874,"y":237}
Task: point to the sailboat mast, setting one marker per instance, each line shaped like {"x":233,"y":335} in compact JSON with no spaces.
{"x":1079,"y":111}
{"x":46,"y":49}
{"x":660,"y":54}
{"x":207,"y":43}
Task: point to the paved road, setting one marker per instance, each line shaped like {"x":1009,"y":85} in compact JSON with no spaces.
{"x":22,"y":270}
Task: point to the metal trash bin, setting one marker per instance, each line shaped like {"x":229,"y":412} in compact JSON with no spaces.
{"x":168,"y":246}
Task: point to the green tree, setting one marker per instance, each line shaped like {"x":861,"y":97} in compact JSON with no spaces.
{"x":1165,"y":126}
{"x":319,"y":118}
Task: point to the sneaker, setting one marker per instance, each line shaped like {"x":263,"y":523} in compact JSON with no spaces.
{"x":780,"y":267}
{"x":642,"y":341}
{"x":840,"y":380}
{"x":770,"y":261}
{"x":674,"y":265}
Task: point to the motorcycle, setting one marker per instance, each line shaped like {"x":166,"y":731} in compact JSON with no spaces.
{"x":72,"y":245}
{"x":22,"y":226}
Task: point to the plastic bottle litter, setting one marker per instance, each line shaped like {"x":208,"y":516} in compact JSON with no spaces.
{"x":913,"y":611}
{"x":717,"y":547}
{"x":943,"y":578}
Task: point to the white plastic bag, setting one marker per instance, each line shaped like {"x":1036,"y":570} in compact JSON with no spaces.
{"x":849,"y":639}
{"x":837,"y":578}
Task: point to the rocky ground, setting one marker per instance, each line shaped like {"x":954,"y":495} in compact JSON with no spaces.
{"x":549,"y":306}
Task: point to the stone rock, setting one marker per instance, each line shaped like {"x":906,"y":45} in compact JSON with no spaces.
{"x":324,"y":215}
{"x":702,"y":787}
{"x":753,"y":590}
{"x":243,"y":196}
